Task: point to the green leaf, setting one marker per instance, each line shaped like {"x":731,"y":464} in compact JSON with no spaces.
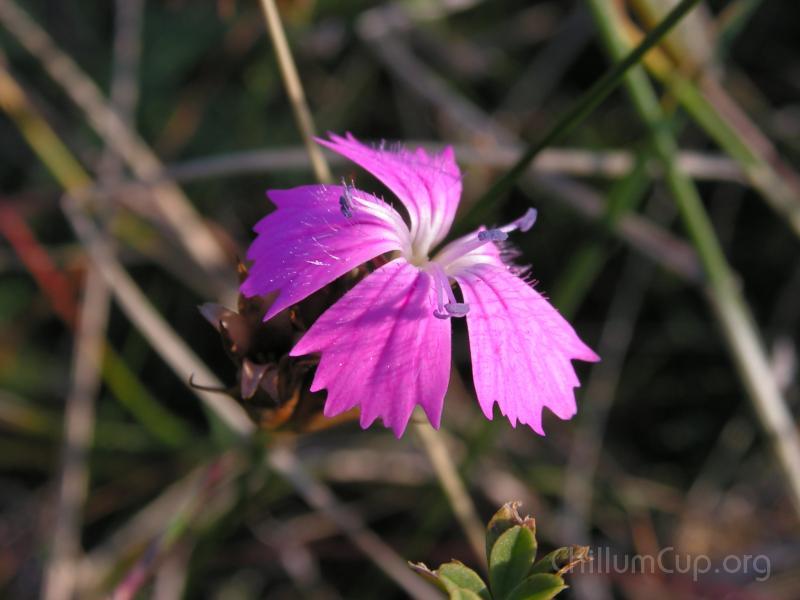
{"x":132,"y":394}
{"x":503,"y":520}
{"x":430,"y":576}
{"x":454,"y":578}
{"x":510,"y":560}
{"x":463,"y":594}
{"x":538,"y":587}
{"x":462,"y":577}
{"x":562,"y":560}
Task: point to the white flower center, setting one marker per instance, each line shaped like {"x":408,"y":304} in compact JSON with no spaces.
{"x":416,"y":247}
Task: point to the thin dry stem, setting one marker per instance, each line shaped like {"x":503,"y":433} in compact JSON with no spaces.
{"x":434,"y":444}
{"x":39,"y":135}
{"x":294,"y":89}
{"x":60,"y":574}
{"x":152,"y":325}
{"x":177,"y":211}
{"x":124,"y":88}
{"x":601,"y":389}
{"x":577,"y":162}
{"x":173,"y":573}
{"x":750,"y":357}
{"x":73,"y":178}
{"x":149,"y":522}
{"x":321,"y":498}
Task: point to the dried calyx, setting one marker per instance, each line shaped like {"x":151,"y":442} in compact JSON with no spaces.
{"x":271,"y":385}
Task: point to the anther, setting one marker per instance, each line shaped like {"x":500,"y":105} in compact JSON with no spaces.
{"x":345,"y":207}
{"x":526,"y":221}
{"x":457,"y":309}
{"x":346,"y":200}
{"x":452,"y":309}
{"x":492,"y":235}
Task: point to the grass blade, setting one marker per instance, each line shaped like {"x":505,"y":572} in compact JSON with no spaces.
{"x":587,"y":103}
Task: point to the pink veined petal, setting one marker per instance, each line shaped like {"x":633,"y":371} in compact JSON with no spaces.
{"x":429,"y":185}
{"x":382,"y":349}
{"x":307,"y":242}
{"x":521,"y":347}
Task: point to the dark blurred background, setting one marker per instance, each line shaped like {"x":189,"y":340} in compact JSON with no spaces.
{"x":665,"y":451}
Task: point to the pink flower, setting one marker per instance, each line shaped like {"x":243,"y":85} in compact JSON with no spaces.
{"x":385,"y":346}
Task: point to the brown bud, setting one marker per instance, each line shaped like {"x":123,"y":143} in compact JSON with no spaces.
{"x":273,"y":387}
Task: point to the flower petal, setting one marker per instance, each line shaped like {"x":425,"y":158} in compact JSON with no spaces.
{"x":382,"y":348}
{"x":429,"y":185}
{"x":521,"y":347}
{"x":308,"y":242}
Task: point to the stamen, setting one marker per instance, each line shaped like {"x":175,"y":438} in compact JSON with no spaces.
{"x":345,"y":207}
{"x":452,"y":308}
{"x":492,"y":235}
{"x":354,"y":204}
{"x":346,"y":200}
{"x":460,"y":248}
{"x":524,"y":223}
{"x":457,"y":309}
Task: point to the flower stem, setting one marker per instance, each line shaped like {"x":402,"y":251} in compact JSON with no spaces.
{"x":446,"y":472}
{"x":291,"y":80}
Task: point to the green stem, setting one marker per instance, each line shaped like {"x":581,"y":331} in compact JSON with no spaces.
{"x":778,"y":190}
{"x":728,"y":304}
{"x":587,"y":261}
{"x":569,"y":120}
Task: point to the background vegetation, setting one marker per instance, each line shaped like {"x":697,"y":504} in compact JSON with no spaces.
{"x":669,"y":448}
